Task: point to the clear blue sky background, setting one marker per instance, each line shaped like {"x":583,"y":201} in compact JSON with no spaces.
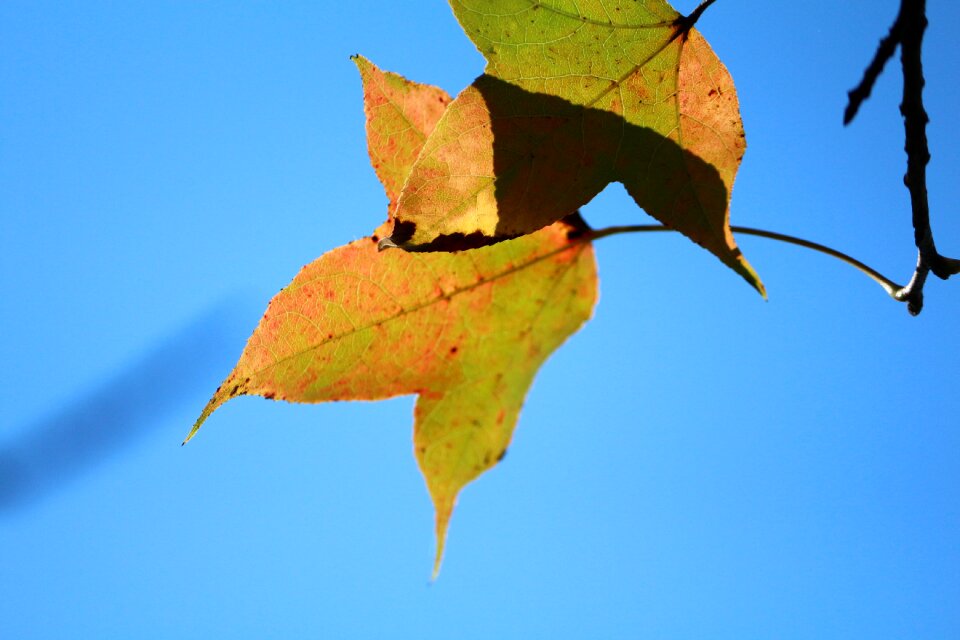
{"x":695,"y":463}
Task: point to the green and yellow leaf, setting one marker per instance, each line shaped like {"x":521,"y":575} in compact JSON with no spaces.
{"x":466,"y":332}
{"x":578,"y":94}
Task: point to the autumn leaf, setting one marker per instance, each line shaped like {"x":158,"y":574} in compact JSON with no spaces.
{"x":400,"y":116}
{"x":466,"y":332}
{"x":577,"y":95}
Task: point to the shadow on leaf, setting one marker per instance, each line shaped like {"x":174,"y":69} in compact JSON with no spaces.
{"x":550,"y":157}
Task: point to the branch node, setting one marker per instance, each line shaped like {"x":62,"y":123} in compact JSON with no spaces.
{"x":907,"y":32}
{"x":912,"y":294}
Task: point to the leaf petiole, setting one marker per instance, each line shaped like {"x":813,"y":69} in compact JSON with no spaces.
{"x":894,"y":290}
{"x":690,"y":20}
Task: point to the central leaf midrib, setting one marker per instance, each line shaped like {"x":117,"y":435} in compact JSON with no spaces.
{"x":575,"y":244}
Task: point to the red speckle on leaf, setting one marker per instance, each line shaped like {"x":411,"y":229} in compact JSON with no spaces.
{"x":433,"y":324}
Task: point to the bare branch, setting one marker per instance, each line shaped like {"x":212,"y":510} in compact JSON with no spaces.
{"x":907,"y":32}
{"x":885,"y":51}
{"x":913,"y":17}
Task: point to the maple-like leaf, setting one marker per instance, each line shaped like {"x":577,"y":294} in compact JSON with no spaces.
{"x":465,"y":332}
{"x":578,"y":94}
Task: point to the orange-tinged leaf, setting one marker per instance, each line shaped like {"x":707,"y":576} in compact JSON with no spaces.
{"x":577,"y":95}
{"x":400,"y":116}
{"x":466,"y":332}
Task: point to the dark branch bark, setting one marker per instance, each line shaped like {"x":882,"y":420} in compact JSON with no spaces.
{"x":913,"y":16}
{"x":908,"y":31}
{"x":885,"y":51}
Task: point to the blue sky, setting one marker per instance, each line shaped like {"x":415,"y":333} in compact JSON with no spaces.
{"x":696,"y":462}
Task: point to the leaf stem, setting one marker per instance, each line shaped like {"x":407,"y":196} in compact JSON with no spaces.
{"x":693,"y":17}
{"x":894,"y":290}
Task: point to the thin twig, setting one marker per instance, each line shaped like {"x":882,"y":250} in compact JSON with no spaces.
{"x":885,"y":51}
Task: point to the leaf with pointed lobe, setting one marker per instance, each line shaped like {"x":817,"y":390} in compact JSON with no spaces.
{"x":578,"y":94}
{"x":400,"y":116}
{"x":466,"y":332}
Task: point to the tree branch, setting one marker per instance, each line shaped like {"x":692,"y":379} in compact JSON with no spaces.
{"x":907,"y":31}
{"x":913,"y":13}
{"x":885,"y":51}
